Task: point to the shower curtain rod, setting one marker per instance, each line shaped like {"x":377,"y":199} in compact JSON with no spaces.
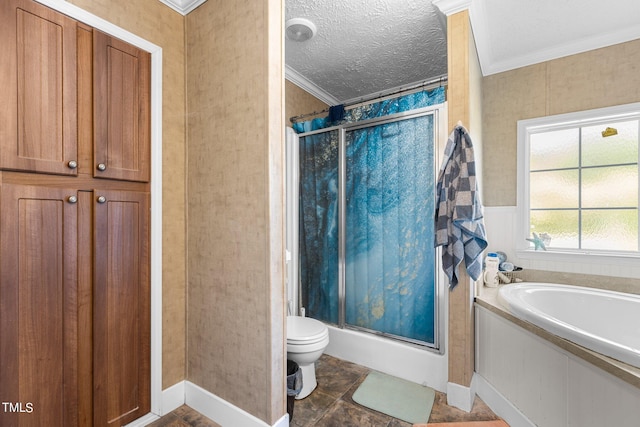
{"x":380,"y":96}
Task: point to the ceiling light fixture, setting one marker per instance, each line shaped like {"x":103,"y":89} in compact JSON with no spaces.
{"x":300,"y":29}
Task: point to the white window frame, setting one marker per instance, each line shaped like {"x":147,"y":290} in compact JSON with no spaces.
{"x":556,"y":122}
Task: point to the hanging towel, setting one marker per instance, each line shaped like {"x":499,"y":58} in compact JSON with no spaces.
{"x":459,"y":225}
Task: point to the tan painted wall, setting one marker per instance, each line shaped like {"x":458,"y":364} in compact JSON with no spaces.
{"x":463,"y":104}
{"x":159,"y":24}
{"x":298,"y":101}
{"x":475,"y":107}
{"x":594,"y":79}
{"x":235,"y":95}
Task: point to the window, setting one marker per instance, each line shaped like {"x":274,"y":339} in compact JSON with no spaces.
{"x":578,"y":182}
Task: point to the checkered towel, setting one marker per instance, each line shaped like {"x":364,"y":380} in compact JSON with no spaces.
{"x":458,"y":220}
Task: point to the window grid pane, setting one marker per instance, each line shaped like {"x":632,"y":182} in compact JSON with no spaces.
{"x":594,"y":173}
{"x":555,"y":189}
{"x":610,"y":229}
{"x":557,"y":228}
{"x":611,"y":150}
{"x":610,"y":187}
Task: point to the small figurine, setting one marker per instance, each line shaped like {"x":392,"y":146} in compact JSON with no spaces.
{"x":537,"y":241}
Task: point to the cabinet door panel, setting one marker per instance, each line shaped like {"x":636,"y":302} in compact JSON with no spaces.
{"x":38,"y":306}
{"x":38,"y":124}
{"x":121,"y":308}
{"x":122,"y":77}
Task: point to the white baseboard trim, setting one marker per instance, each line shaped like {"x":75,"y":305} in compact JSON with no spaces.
{"x":173,"y":397}
{"x":209,"y":405}
{"x":460,"y":396}
{"x":223,"y":412}
{"x":143,"y":421}
{"x":499,"y":404}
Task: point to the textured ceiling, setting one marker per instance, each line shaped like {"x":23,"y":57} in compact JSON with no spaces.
{"x":364,"y":47}
{"x":367,"y":46}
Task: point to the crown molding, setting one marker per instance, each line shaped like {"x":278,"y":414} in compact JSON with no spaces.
{"x":491,"y":65}
{"x":491,"y":62}
{"x":449,"y":7}
{"x":297,"y":79}
{"x":183,"y":6}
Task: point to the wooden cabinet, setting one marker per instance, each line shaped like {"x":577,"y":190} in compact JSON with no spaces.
{"x":38,"y":306}
{"x":121,"y":325}
{"x":121,"y":109}
{"x":48,"y":293}
{"x":74,"y":239}
{"x":38,"y":127}
{"x":44,"y":65}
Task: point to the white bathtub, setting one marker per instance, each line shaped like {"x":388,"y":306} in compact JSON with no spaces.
{"x":604,"y":321}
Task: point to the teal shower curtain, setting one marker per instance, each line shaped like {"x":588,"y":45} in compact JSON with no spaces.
{"x":390,"y":202}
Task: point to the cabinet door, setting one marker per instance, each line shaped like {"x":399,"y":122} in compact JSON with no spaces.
{"x":121,"y":307}
{"x":38,"y":307}
{"x":38,"y":80}
{"x":122,"y":128}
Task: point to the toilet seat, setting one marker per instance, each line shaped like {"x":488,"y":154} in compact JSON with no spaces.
{"x":306,"y":341}
{"x":305,"y":331}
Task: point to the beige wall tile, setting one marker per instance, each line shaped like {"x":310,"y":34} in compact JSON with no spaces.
{"x":157,"y":23}
{"x":618,"y":284}
{"x":595,"y":79}
{"x":522,"y":96}
{"x":298,"y":101}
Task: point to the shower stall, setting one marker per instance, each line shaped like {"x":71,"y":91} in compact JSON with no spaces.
{"x":360,"y":225}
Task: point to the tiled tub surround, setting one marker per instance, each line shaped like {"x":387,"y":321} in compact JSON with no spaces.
{"x":527,"y":371}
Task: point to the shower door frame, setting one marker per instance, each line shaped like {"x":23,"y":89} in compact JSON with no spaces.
{"x":438,"y":112}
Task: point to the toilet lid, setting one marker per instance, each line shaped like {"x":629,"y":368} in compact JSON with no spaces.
{"x":305,"y":329}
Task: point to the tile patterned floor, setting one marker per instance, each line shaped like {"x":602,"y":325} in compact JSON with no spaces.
{"x":331,"y":404}
{"x":184,"y":416}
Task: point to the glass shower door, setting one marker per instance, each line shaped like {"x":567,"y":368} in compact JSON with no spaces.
{"x":318,"y":229}
{"x":390,"y":278}
{"x":366,"y":206}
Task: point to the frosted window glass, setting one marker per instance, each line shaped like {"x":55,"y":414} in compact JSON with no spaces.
{"x":582,"y":179}
{"x":610,"y":187}
{"x":616,"y":149}
{"x":560,"y":226}
{"x":610,"y":229}
{"x":554,"y":150}
{"x":554,"y":189}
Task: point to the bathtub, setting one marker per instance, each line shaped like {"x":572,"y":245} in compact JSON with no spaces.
{"x":603,"y":321}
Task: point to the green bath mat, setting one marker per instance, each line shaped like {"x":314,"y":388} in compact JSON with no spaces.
{"x":393,"y":396}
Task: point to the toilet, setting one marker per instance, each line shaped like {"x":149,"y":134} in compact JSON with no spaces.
{"x":306,"y":340}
